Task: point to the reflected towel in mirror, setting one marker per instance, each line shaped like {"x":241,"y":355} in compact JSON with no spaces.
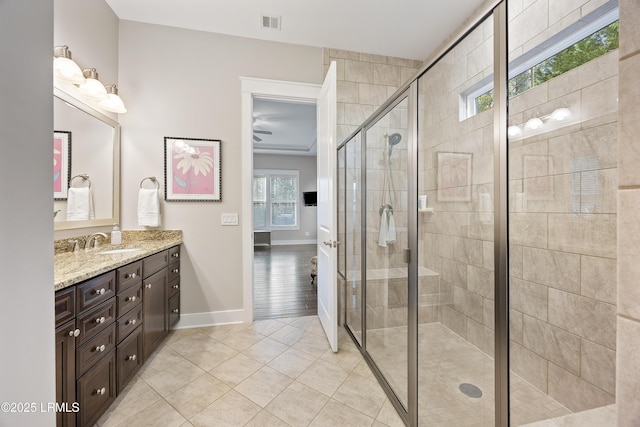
{"x":80,"y":204}
{"x":149,"y":207}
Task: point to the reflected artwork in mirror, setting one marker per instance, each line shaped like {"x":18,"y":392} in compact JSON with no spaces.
{"x":95,"y":154}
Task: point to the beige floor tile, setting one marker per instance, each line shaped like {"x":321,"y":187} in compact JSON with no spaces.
{"x":324,"y":377}
{"x":169,"y":380}
{"x":265,"y":350}
{"x":314,"y":345}
{"x":242,"y":340}
{"x":288,"y":335}
{"x":197,"y":395}
{"x":347,"y":357}
{"x":235,"y":370}
{"x":267,"y":327}
{"x":389,"y":416}
{"x":158,"y":414}
{"x":336,"y":414}
{"x":264,"y":385}
{"x":266,"y":419}
{"x":292,"y":362}
{"x":136,"y":397}
{"x":230,"y":410}
{"x":362,"y":394}
{"x":297,"y":404}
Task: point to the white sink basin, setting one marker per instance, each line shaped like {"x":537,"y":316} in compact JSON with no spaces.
{"x":118,"y":251}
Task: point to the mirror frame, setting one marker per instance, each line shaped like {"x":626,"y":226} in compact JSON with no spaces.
{"x":83,"y":106}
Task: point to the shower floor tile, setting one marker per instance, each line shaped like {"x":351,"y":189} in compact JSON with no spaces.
{"x":445,"y":360}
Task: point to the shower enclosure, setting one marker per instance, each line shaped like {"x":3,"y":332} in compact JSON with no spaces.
{"x":477,"y":269}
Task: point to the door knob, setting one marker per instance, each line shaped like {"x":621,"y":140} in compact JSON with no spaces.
{"x":327,"y":243}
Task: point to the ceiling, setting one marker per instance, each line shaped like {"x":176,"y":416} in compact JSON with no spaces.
{"x":292,"y":126}
{"x":410,"y":29}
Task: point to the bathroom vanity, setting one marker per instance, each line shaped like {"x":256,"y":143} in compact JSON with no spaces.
{"x":113,"y":308}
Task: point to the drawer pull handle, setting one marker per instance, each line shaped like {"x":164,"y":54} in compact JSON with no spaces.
{"x":175,"y":270}
{"x":175,"y":286}
{"x":131,"y":299}
{"x":176,"y":255}
{"x":100,"y":291}
{"x":176,"y":310}
{"x":130,"y":276}
{"x":101,"y":391}
{"x":100,"y":348}
{"x":132,"y":357}
{"x":148,"y":286}
{"x":131,"y":322}
{"x":74,"y":333}
{"x":101,"y":320}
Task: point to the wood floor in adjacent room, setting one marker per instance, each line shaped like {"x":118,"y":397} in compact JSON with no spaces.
{"x":282,"y":282}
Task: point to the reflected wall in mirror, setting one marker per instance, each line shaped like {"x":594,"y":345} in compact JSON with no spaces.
{"x":95,"y":156}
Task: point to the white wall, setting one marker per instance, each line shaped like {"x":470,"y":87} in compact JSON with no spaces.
{"x":308,"y":182}
{"x":26,"y":211}
{"x":185,"y":83}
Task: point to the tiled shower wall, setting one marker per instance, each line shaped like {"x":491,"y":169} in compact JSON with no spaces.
{"x":365,"y":82}
{"x":563,"y":242}
{"x":628,"y":320}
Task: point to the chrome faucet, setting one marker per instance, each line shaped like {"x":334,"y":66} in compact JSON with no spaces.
{"x":94,"y":237}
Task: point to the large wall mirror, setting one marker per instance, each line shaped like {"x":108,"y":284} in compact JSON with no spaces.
{"x":86,"y":161}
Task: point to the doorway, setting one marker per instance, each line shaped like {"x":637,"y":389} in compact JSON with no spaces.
{"x":260,"y":90}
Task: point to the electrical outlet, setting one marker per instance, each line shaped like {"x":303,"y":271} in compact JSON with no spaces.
{"x":229,"y":219}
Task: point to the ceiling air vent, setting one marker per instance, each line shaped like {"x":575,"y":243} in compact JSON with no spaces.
{"x":271,"y":22}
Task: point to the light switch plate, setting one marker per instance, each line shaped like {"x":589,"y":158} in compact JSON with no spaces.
{"x":229,"y":219}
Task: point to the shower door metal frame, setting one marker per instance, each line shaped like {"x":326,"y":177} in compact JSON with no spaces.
{"x":497,"y":8}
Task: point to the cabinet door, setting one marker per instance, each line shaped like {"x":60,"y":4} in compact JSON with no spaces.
{"x":97,"y":390}
{"x":66,"y":372}
{"x":154,"y":311}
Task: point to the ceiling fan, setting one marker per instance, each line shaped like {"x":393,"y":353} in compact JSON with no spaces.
{"x":262,"y":132}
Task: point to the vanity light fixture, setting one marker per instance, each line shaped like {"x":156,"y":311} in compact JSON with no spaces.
{"x":533,"y":124}
{"x":514,"y":131}
{"x":64,"y":68}
{"x":92,"y":87}
{"x":113,"y":103}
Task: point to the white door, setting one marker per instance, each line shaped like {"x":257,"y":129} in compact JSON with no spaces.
{"x":327,"y":232}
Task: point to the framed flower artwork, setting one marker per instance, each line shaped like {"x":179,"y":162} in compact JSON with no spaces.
{"x":61,"y":164}
{"x":192,"y":169}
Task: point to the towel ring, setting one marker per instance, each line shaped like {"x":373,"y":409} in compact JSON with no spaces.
{"x":152,"y":179}
{"x":84,"y":177}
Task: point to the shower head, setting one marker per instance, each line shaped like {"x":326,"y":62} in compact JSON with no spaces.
{"x":393,"y":139}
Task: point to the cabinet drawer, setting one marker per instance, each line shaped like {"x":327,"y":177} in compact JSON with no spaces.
{"x":129,"y":321}
{"x":93,"y":350}
{"x":94,"y":291}
{"x":129,"y":275}
{"x":174,"y":310}
{"x":154,"y":263}
{"x":174,"y":253}
{"x":174,"y":287}
{"x":129,"y":358}
{"x":126,"y":300}
{"x":96,"y":320}
{"x":96,"y":390}
{"x":65,"y":305}
{"x":174,"y":271}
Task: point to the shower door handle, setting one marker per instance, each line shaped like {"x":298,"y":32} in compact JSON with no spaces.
{"x":406,"y":254}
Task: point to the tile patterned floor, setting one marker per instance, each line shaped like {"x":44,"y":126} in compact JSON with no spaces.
{"x":267,"y":373}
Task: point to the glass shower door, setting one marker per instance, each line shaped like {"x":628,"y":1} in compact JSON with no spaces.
{"x":386,"y":273}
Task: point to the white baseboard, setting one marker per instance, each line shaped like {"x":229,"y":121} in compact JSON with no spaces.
{"x":213,"y":318}
{"x":293,"y":242}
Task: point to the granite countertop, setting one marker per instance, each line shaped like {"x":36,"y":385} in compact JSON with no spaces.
{"x":74,"y":267}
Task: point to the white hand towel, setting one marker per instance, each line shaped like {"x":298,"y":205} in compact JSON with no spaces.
{"x":148,"y":207}
{"x":382,"y":235}
{"x":80,"y":204}
{"x":391,"y":229}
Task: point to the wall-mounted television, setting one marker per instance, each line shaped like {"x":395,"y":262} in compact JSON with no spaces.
{"x":310,"y":198}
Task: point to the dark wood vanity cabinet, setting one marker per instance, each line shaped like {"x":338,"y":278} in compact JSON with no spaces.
{"x":107,"y":326}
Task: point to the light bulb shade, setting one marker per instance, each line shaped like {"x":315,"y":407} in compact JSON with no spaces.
{"x":533,"y":124}
{"x":560,"y":114}
{"x":514,"y":131}
{"x":92,"y":87}
{"x":113,"y":103}
{"x":64,"y":68}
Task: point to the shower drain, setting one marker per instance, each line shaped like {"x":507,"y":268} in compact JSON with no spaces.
{"x":470,"y":390}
